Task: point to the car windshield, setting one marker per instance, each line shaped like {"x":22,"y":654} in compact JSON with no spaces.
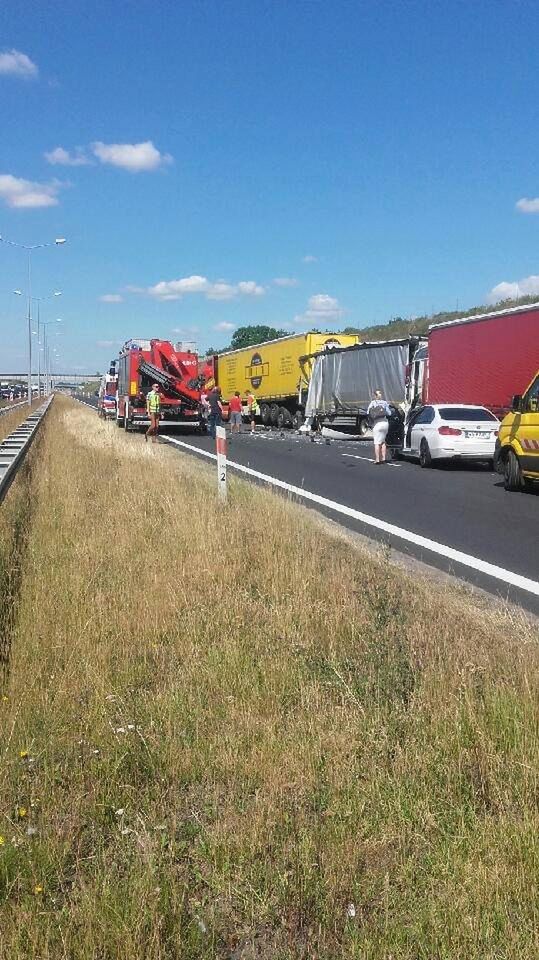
{"x":465,"y":413}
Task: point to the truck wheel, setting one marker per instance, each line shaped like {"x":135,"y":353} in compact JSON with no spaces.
{"x":363,"y":427}
{"x":297,"y":420}
{"x":425,"y":459}
{"x":512,"y":475}
{"x":274,"y":414}
{"x":265,"y":414}
{"x":283,"y":418}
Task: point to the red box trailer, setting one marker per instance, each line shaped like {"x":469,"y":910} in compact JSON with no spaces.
{"x":483,"y":359}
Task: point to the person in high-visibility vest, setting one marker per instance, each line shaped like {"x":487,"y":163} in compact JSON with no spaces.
{"x":254,"y":409}
{"x":153,"y":406}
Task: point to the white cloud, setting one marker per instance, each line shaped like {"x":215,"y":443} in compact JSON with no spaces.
{"x":219,"y":290}
{"x":250,"y":289}
{"x":527,"y":287}
{"x":528,"y":206}
{"x":111,"y":298}
{"x":224,"y":325}
{"x":285,"y":282}
{"x":108,"y":344}
{"x":17,"y":64}
{"x":186,"y":332}
{"x":176,"y":289}
{"x":134,"y":157}
{"x":16,"y":192}
{"x":321,"y":308}
{"x":309,"y":259}
{"x":64,"y":158}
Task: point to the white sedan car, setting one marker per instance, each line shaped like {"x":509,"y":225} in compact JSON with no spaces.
{"x":448,"y":431}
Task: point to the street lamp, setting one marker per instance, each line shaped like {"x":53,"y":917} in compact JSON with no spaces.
{"x":50,"y":323}
{"x":39,"y":301}
{"x":29,"y":250}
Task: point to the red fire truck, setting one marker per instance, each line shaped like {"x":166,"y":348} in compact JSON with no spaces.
{"x":144,"y":362}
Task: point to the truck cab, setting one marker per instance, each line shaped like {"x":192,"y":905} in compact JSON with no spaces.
{"x":517,"y":448}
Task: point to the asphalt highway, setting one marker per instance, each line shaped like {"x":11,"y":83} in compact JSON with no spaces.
{"x":431,"y":513}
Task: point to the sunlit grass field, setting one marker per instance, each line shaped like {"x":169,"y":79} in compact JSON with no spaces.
{"x":228,"y":733}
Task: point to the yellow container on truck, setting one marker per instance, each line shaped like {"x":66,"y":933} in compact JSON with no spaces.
{"x":272,"y":372}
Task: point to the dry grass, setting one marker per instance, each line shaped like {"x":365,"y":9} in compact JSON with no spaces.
{"x":224,"y":726}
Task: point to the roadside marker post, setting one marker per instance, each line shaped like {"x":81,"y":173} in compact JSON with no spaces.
{"x":220,"y":440}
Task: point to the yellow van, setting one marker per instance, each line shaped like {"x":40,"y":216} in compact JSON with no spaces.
{"x":517,"y":447}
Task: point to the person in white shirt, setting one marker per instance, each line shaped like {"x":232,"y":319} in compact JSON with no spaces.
{"x":379,"y":412}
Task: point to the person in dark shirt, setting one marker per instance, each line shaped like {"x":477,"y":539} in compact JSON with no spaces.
{"x":215,"y":418}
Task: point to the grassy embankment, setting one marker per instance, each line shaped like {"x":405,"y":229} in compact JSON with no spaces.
{"x":223,"y":727}
{"x":9,"y":421}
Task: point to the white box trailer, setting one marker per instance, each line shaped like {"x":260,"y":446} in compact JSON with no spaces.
{"x":343,"y":381}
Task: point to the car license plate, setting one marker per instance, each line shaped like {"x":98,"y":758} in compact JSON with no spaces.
{"x":476,"y":434}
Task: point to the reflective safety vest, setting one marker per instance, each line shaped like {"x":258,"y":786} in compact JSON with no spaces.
{"x":253,"y":404}
{"x":153,"y":401}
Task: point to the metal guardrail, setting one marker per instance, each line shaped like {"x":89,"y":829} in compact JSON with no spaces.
{"x":14,"y":448}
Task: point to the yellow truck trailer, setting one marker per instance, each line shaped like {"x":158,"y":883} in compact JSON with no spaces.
{"x":273,"y":373}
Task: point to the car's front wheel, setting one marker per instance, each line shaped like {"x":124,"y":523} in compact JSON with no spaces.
{"x":425,"y":457}
{"x":512,"y":475}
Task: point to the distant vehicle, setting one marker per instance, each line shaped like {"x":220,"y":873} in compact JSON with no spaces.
{"x":517,"y":447}
{"x":106,"y":395}
{"x":450,"y":432}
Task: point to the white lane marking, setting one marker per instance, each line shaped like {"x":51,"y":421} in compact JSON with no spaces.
{"x":354,"y":456}
{"x":475,"y":563}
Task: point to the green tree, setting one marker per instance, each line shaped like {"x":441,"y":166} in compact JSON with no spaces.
{"x":248,"y":336}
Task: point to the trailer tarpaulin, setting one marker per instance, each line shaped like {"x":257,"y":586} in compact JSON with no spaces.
{"x":345,"y":380}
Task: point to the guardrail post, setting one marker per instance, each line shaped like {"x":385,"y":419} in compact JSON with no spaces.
{"x":220,"y":441}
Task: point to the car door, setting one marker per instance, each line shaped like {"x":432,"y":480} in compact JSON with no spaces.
{"x":528,"y":429}
{"x":420,"y":425}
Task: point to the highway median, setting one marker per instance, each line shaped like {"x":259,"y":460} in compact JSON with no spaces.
{"x":229,"y":732}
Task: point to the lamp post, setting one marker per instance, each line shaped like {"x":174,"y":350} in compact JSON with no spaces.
{"x":39,"y":301}
{"x":46,"y":353}
{"x":29,"y":248}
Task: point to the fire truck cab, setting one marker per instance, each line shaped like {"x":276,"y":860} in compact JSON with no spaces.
{"x":145,"y":362}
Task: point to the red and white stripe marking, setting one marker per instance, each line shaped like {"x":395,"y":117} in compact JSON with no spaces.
{"x":528,"y":444}
{"x":220,"y":444}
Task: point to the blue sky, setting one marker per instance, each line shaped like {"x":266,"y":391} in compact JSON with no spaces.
{"x":367,"y":156}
